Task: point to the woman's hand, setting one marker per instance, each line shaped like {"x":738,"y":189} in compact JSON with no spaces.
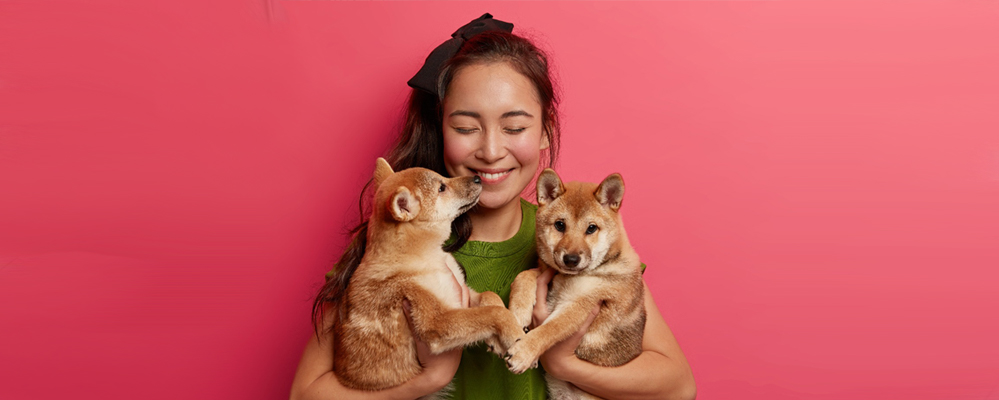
{"x":540,"y":313}
{"x":438,"y":369}
{"x":562,"y":356}
{"x":659,"y":372}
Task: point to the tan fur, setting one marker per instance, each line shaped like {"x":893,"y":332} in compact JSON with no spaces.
{"x":373,"y":344}
{"x":608,"y":272}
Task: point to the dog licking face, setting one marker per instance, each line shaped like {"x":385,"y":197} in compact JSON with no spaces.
{"x":374,"y":346}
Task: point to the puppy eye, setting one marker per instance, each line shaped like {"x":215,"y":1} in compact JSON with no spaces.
{"x":590,"y":229}
{"x":560,"y":226}
{"x":442,"y":188}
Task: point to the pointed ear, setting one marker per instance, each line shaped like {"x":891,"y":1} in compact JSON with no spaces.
{"x":404,"y":206}
{"x":549,"y":187}
{"x":382,"y":170}
{"x":610,"y":193}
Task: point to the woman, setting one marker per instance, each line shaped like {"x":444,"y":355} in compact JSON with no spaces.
{"x":484,"y":104}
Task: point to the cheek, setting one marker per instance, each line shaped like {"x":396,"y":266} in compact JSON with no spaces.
{"x":456,"y":151}
{"x":527,"y":149}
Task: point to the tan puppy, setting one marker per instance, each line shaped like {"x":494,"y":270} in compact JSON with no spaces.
{"x":403,"y":260}
{"x":579,"y":233}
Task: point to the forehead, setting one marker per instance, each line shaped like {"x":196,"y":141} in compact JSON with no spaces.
{"x":413,"y":178}
{"x":420,"y":176}
{"x":578,"y":202}
{"x":493,"y":88}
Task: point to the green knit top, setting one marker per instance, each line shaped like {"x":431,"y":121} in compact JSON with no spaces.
{"x":492,"y":267}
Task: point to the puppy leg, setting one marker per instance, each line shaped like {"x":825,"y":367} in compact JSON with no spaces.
{"x":487,"y":299}
{"x":444,"y":329}
{"x":523,"y":296}
{"x":490,"y":299}
{"x":561,"y":324}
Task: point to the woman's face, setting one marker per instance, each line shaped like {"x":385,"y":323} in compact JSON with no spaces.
{"x":493,"y":129}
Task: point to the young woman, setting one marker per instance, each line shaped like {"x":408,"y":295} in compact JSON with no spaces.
{"x":484,"y":104}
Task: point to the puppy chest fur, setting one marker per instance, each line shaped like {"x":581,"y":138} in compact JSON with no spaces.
{"x":615,"y":336}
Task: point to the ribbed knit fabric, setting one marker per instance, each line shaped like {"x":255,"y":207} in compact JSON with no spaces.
{"x":492,"y":266}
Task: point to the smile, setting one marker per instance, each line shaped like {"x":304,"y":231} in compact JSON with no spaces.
{"x":492,"y":177}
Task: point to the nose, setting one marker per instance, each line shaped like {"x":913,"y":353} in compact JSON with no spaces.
{"x":492,"y":148}
{"x":570,"y":260}
{"x":476,"y":179}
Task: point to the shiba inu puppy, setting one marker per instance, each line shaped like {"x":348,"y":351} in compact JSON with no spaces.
{"x":374,"y":346}
{"x":579,"y":233}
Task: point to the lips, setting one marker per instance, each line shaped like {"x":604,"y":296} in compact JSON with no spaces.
{"x":492,"y":176}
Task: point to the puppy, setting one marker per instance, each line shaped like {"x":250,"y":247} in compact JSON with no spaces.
{"x":579,"y":233}
{"x":412,"y":214}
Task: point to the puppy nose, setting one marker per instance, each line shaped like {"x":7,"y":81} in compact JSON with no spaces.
{"x":570,"y":260}
{"x":476,"y":179}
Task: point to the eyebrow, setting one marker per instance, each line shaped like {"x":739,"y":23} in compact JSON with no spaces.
{"x":516,"y":113}
{"x":508,"y":114}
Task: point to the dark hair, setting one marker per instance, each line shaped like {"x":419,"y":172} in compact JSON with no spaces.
{"x":421,"y":144}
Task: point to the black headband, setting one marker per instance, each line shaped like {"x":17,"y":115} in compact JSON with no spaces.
{"x":426,"y":78}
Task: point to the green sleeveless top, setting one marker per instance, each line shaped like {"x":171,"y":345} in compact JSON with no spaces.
{"x":492,"y":267}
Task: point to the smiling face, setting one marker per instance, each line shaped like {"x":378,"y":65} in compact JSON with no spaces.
{"x":493,"y":128}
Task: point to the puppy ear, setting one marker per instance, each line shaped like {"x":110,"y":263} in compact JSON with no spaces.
{"x":549,"y":187}
{"x":404,"y":206}
{"x":610,"y":193}
{"x":382,"y":170}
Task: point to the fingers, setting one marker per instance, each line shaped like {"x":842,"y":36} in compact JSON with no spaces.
{"x":589,"y":320}
{"x":560,"y":357}
{"x":573,"y":341}
{"x":540,"y":313}
{"x":542,"y":290}
{"x":422,"y":350}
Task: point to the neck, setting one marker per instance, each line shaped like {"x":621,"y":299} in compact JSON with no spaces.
{"x":496,"y":225}
{"x":406,"y":238}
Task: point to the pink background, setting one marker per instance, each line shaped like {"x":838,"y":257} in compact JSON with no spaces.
{"x":814,"y":185}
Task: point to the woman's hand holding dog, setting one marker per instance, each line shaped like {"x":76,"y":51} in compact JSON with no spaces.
{"x":438,"y":369}
{"x":561,"y":356}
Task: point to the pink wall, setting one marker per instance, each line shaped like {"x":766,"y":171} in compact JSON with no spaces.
{"x":814,"y":185}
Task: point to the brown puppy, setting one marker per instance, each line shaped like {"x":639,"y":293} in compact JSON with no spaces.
{"x":403,"y":260}
{"x":579,"y":233}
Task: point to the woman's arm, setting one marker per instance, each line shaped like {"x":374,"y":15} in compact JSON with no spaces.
{"x":659,"y":372}
{"x":315,"y":379}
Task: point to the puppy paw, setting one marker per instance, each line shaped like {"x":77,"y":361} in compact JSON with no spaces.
{"x":495,"y":346}
{"x":512,"y":336}
{"x":523,"y":317}
{"x":519,"y":358}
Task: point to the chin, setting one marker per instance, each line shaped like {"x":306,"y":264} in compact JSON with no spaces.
{"x":493,"y":202}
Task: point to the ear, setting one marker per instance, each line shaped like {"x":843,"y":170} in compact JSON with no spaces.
{"x":404,"y":206}
{"x":549,"y":187}
{"x":610,"y":193}
{"x":545,"y":143}
{"x":382,"y":170}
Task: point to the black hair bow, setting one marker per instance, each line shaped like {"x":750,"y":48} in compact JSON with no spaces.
{"x":426,"y":78}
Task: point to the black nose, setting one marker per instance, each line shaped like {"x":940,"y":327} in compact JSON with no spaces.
{"x":476,"y":179}
{"x":570,"y":260}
